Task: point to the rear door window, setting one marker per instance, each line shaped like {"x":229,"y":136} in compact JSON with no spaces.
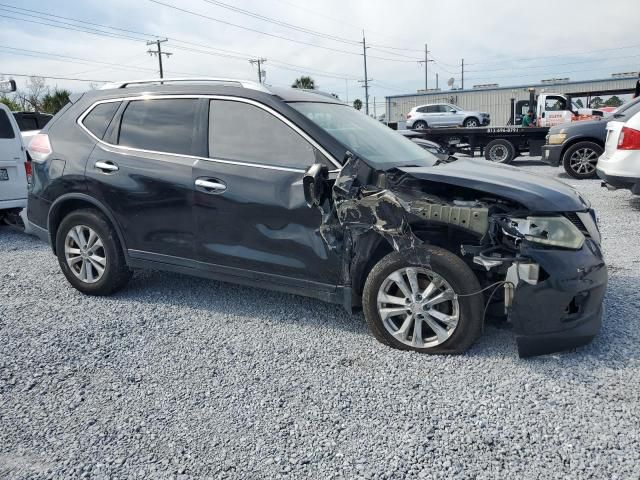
{"x":6,"y":128}
{"x":162,"y":125}
{"x":243,"y":132}
{"x":98,"y":119}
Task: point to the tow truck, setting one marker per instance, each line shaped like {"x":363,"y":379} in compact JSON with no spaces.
{"x":504,"y":144}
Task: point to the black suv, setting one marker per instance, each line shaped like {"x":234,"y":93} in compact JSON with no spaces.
{"x":294,"y":191}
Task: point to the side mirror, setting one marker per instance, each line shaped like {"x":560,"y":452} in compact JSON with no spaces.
{"x":314,"y":183}
{"x":454,"y":111}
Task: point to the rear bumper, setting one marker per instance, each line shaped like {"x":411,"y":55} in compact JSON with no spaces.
{"x":616,"y":181}
{"x":564,"y":310}
{"x":552,"y":154}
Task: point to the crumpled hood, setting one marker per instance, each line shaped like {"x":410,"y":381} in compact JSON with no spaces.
{"x":536,"y":192}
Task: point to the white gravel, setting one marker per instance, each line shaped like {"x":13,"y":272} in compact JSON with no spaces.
{"x":189,"y":378}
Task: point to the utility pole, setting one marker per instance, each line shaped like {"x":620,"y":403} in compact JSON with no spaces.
{"x":436,"y":81}
{"x":463,"y":74}
{"x":426,"y":67}
{"x":375,"y":113}
{"x":366,"y":78}
{"x":259,"y":61}
{"x":158,"y":52}
{"x":346,"y":88}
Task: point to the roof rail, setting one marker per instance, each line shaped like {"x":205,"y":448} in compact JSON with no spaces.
{"x":226,"y":81}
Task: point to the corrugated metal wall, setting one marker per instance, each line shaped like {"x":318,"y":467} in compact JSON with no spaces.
{"x":496,"y":101}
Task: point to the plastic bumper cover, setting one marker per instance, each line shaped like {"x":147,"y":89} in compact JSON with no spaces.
{"x":552,"y":154}
{"x":616,"y":181}
{"x":564,"y":310}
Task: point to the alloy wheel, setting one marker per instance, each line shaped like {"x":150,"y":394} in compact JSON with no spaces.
{"x":85,"y":253}
{"x":418,"y":307}
{"x":583,"y":161}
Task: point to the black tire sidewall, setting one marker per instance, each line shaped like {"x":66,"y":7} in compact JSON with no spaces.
{"x":570,"y":151}
{"x":113,"y":254}
{"x":420,"y":122}
{"x":504,"y":143}
{"x":456,"y":273}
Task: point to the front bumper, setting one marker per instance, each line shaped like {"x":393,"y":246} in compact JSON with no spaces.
{"x":552,"y":154}
{"x":485,"y":121}
{"x":616,"y":181}
{"x":563,"y":310}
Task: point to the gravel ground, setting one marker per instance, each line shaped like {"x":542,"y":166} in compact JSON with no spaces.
{"x":189,"y":378}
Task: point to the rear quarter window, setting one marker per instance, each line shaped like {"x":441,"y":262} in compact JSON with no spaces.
{"x":98,"y":119}
{"x":6,"y":128}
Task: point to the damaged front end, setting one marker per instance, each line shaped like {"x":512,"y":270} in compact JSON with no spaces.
{"x":547,"y":269}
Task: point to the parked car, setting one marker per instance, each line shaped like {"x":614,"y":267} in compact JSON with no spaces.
{"x":29,"y":121}
{"x":297,"y":192}
{"x":578,"y":145}
{"x":445,"y":115}
{"x":619,"y":166}
{"x":14,"y":168}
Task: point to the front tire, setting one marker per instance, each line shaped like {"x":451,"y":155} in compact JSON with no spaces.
{"x":90,"y":254}
{"x":580,"y":160}
{"x":471,"y":122}
{"x":417,"y":307}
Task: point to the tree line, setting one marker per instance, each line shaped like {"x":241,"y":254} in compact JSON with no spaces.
{"x":37,"y":96}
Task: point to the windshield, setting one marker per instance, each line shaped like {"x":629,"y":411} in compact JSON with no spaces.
{"x":382,"y":147}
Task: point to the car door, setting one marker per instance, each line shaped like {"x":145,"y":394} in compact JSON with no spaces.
{"x":433,"y":116}
{"x":250,"y":212}
{"x":13,"y":178}
{"x":142,"y":171}
{"x":450,"y":116}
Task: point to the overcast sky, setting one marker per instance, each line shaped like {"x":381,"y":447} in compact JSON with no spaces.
{"x":501,"y":41}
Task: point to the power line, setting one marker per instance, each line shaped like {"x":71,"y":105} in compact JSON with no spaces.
{"x":557,"y":56}
{"x":557,"y":64}
{"x":54,"y":78}
{"x":224,"y":22}
{"x":282,"y":23}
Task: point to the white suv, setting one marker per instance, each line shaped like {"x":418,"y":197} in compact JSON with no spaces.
{"x":619,"y":165}
{"x":444,"y":115}
{"x":14,"y":167}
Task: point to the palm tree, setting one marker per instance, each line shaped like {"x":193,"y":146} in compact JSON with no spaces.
{"x":307,"y":83}
{"x":53,"y":102}
{"x":357,"y":104}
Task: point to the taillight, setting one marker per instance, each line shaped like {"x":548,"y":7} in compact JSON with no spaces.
{"x":629,"y":139}
{"x":40,"y":148}
{"x":28,"y":170}
{"x":408,"y":116}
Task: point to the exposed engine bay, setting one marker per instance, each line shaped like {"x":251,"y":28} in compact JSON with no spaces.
{"x":505,"y":240}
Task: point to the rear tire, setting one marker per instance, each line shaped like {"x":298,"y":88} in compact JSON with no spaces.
{"x":500,"y":151}
{"x":90,"y":254}
{"x":420,"y":125}
{"x":580,"y":160}
{"x":458,"y":322}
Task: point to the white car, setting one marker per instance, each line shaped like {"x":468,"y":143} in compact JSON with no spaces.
{"x":14,"y":168}
{"x":619,"y":165}
{"x":445,"y":115}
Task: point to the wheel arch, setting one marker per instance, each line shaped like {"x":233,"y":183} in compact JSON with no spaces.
{"x":70,"y":202}
{"x":372,"y":247}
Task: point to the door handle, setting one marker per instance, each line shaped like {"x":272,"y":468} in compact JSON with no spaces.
{"x":211,"y":185}
{"x":106,"y":166}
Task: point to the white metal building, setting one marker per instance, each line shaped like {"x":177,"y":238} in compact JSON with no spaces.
{"x":497,"y":100}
